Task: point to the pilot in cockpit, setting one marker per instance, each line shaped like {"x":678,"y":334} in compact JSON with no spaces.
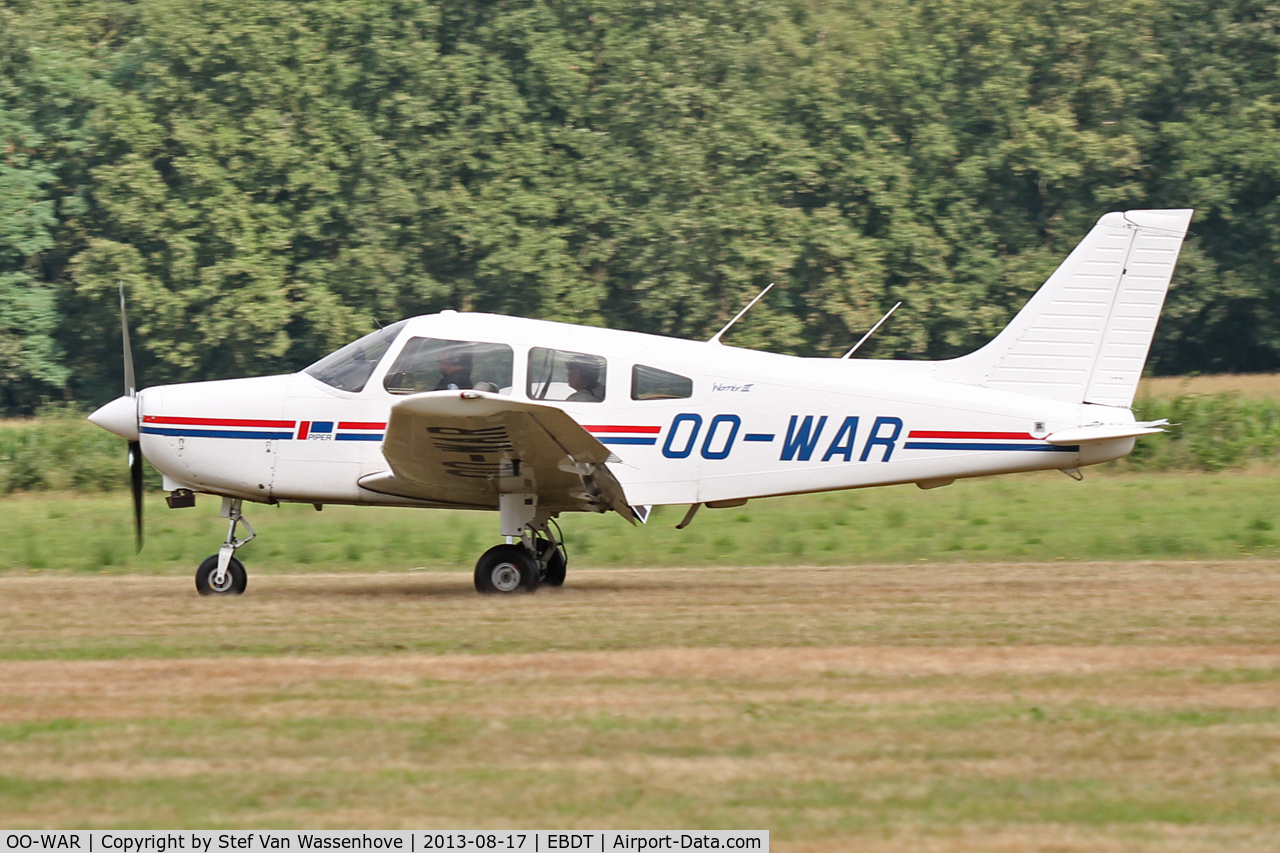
{"x":455,"y":370}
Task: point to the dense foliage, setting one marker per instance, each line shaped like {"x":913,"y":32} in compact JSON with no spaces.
{"x":269,"y":178}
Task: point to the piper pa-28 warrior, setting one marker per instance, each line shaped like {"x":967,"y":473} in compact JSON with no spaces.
{"x":535,"y":419}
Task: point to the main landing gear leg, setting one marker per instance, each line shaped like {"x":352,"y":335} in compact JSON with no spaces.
{"x":223,"y":574}
{"x":551,"y":555}
{"x":531,"y":555}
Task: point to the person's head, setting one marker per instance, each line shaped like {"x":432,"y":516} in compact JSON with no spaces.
{"x":582,"y":374}
{"x":455,"y":360}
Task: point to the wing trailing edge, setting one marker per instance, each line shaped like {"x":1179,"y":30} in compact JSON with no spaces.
{"x":470,"y":447}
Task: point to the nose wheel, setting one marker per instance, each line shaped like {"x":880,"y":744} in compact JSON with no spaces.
{"x":233,"y":581}
{"x":223,"y":574}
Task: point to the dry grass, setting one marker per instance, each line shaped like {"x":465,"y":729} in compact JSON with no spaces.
{"x":1261,"y":386}
{"x":1092,"y":707}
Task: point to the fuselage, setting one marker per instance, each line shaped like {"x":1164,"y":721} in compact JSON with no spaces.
{"x":689,"y":422}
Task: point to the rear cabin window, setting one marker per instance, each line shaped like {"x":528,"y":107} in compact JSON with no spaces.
{"x":563,"y":376}
{"x":349,"y":368}
{"x":650,"y":383}
{"x":431,"y":364}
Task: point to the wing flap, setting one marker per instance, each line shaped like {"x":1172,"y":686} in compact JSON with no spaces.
{"x":470,"y":446}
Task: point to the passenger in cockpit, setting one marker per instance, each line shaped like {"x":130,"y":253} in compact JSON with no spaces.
{"x":584,"y":379}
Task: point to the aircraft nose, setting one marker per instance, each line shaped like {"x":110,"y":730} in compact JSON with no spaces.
{"x":120,"y":416}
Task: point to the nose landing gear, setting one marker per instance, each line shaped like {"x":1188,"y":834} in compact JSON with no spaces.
{"x":223,"y":574}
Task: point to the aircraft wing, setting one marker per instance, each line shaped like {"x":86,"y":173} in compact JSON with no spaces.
{"x":464,"y":448}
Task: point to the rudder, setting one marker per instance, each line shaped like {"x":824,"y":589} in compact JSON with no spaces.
{"x":1085,"y":334}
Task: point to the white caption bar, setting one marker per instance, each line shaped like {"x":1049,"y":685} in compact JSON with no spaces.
{"x":403,"y":841}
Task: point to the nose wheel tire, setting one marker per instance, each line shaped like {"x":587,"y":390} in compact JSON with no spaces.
{"x":233,"y":582}
{"x":506,"y":569}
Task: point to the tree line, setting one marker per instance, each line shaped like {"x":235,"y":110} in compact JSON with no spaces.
{"x":272,"y":178}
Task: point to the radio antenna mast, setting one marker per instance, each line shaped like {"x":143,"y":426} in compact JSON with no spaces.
{"x":871,"y":332}
{"x":715,"y":339}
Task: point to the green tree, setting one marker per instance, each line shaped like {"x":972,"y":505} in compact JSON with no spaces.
{"x":271,"y":179}
{"x":31,"y":364}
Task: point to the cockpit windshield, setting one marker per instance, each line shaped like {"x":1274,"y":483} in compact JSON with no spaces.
{"x":349,"y":368}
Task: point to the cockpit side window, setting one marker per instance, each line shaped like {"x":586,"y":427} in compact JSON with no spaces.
{"x":650,"y":383}
{"x":431,"y":364}
{"x":570,"y":377}
{"x":349,"y":368}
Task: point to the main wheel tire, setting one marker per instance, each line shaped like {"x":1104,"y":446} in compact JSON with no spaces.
{"x":557,"y":565}
{"x":506,"y":569}
{"x":233,"y":583}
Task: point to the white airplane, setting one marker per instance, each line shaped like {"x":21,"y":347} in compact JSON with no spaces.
{"x":534,"y":419}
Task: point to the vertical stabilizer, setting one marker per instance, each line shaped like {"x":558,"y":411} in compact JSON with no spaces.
{"x":1084,"y":336}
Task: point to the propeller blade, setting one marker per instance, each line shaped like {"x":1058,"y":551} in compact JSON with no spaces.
{"x":135,"y":483}
{"x":130,"y":385}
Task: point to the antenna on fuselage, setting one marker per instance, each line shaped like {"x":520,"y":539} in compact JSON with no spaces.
{"x":871,"y":332}
{"x":715,"y":339}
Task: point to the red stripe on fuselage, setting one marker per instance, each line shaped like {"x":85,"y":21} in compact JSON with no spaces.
{"x":233,"y":422}
{"x":303,"y":430}
{"x":643,"y":429}
{"x":360,"y":425}
{"x":1005,"y":436}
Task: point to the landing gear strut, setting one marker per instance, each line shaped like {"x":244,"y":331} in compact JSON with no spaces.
{"x":551,"y":555}
{"x":533,"y":553}
{"x":223,"y":574}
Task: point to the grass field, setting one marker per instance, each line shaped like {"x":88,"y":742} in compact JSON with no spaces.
{"x":1015,"y":664}
{"x":1037,"y":517}
{"x":955,"y":707}
{"x":1256,"y":386}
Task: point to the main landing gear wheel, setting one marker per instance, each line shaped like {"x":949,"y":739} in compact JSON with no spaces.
{"x":507,"y":569}
{"x":555,"y":565}
{"x":234,"y":580}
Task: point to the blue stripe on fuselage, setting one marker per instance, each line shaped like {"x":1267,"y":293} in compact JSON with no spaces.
{"x":217,"y":433}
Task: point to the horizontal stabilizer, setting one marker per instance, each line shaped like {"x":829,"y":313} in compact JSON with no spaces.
{"x":1095,"y":433}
